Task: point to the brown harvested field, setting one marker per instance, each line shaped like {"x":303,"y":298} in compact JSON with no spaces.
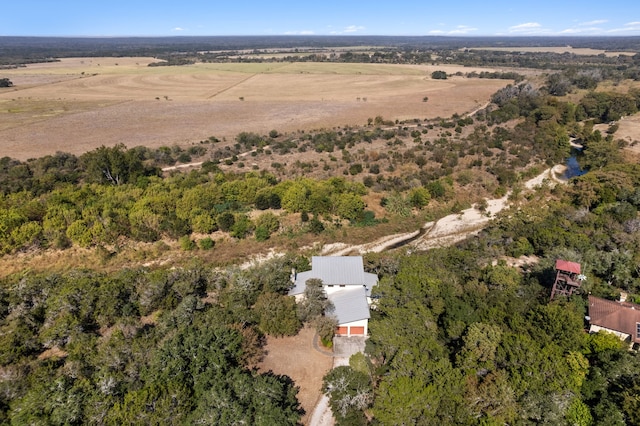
{"x":295,"y":357}
{"x":556,"y":49}
{"x":78,"y":104}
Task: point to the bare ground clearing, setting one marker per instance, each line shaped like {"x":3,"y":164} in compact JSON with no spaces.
{"x":629,"y":131}
{"x":296,"y":357}
{"x":77,"y":105}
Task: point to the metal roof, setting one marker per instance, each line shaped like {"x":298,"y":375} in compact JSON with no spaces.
{"x":350,"y":304}
{"x":335,"y":270}
{"x":300,"y":282}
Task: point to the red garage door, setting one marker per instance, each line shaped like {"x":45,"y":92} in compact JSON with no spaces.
{"x":357,"y":331}
{"x":341,"y":331}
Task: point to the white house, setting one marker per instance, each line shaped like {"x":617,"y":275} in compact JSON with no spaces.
{"x":347,"y":286}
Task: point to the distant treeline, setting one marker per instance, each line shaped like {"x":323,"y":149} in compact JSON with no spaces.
{"x":15,"y":50}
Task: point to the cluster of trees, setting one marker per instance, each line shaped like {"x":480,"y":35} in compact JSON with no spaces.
{"x":456,"y":342}
{"x":144,"y":346}
{"x":507,"y":75}
{"x":119,"y":196}
{"x":457,"y":338}
{"x":612,"y":67}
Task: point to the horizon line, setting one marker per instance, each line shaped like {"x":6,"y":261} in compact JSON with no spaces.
{"x":470,"y":36}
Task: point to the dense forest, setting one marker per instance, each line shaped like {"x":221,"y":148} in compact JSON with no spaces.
{"x":459,"y":335}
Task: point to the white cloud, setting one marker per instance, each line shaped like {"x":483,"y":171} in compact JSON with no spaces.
{"x":529,"y":28}
{"x":303,"y":32}
{"x":178,"y":29}
{"x":595,"y":22}
{"x":460,"y":29}
{"x":591,"y":27}
{"x":526,"y":27}
{"x":353,"y":28}
{"x":590,"y":30}
{"x":463,"y":29}
{"x":628,"y":28}
{"x":348,"y":30}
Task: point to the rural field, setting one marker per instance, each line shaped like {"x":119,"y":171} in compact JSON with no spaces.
{"x":559,"y":50}
{"x":78,"y":104}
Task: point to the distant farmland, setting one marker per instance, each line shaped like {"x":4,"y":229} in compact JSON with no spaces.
{"x":78,"y":104}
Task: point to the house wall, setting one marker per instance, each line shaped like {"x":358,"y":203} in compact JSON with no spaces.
{"x":622,"y":336}
{"x":355,"y":328}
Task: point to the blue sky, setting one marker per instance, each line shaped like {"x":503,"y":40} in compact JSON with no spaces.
{"x":321,"y":17}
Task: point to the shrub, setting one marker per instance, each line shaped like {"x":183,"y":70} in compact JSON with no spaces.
{"x":225,"y":221}
{"x":355,"y":169}
{"x":186,"y":243}
{"x":316,"y":226}
{"x":242,"y":227}
{"x":268,"y":221}
{"x":203,"y":224}
{"x":439,"y":75}
{"x":206,"y":243}
{"x":262,"y":233}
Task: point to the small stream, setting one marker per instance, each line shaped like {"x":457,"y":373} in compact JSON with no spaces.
{"x":573,"y":168}
{"x":423,"y":230}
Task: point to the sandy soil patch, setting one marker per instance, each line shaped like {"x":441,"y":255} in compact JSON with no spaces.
{"x":51,"y":353}
{"x":296,"y":357}
{"x":79,"y":104}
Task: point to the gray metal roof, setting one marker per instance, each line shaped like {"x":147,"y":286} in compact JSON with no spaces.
{"x":350,"y":304}
{"x":300,"y":282}
{"x":335,"y":270}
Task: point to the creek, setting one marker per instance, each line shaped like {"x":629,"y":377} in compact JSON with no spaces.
{"x":573,"y":168}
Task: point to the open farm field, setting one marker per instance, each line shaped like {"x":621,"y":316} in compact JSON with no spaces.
{"x":79,"y":104}
{"x":556,"y":49}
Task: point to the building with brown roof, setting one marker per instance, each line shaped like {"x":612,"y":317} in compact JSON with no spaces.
{"x":568,"y":279}
{"x":619,"y":318}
